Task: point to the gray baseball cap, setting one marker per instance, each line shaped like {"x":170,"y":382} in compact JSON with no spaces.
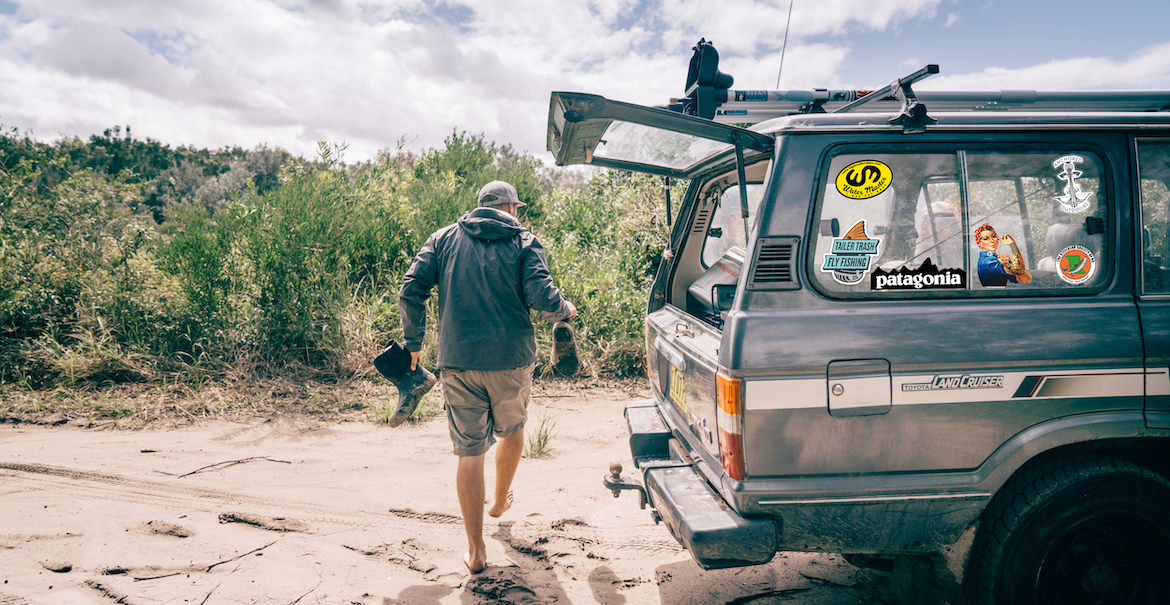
{"x":498,"y":193}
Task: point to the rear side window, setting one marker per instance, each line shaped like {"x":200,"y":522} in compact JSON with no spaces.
{"x":1154,"y":174}
{"x":961,"y":222}
{"x":727,"y":226}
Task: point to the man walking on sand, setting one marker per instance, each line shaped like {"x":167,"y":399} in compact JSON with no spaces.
{"x":489,"y":271}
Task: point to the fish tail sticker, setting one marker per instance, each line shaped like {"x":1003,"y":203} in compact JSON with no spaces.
{"x":850,"y":256}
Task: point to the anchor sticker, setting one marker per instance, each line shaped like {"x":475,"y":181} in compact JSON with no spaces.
{"x":1075,"y":199}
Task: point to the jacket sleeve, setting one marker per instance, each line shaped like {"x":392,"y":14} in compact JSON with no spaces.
{"x":539,"y":292}
{"x":412,"y":299}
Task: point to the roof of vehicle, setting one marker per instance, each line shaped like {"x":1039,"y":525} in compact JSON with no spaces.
{"x":965,"y":120}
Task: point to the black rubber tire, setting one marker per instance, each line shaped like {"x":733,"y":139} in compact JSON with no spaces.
{"x":1072,"y":531}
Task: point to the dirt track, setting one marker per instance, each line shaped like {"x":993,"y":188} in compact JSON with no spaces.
{"x":285,"y":511}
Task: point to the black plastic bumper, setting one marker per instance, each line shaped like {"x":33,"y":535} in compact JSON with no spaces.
{"x":697,"y":516}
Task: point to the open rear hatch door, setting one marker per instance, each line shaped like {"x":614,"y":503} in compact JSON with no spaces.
{"x":590,"y":129}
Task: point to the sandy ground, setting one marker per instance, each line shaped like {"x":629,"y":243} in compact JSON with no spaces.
{"x":353,"y":513}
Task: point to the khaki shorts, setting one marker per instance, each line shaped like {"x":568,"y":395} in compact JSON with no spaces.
{"x":484,"y":404}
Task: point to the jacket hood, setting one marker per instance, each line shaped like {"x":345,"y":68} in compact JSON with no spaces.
{"x":490,"y":224}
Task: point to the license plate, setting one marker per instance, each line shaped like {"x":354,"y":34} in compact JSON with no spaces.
{"x":678,"y":389}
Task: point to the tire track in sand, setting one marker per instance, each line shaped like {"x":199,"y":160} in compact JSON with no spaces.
{"x":172,"y":494}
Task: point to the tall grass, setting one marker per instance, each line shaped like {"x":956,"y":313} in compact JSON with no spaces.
{"x":297,"y":280}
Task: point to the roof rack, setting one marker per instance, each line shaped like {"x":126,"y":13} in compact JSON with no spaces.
{"x":752,"y":106}
{"x":708,"y":96}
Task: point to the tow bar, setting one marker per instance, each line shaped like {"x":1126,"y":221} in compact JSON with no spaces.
{"x":616,"y":484}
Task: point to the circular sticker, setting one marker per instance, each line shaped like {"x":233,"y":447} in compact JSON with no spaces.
{"x":1076,"y":264}
{"x":864,"y":179}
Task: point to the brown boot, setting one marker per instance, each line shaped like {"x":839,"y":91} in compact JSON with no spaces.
{"x":564,"y":352}
{"x":394,"y":364}
{"x":411,"y":389}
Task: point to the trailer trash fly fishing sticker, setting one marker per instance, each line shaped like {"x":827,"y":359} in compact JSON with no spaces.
{"x":863,"y":180}
{"x":849,"y":258}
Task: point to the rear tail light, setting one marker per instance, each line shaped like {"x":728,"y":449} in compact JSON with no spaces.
{"x":729,"y":397}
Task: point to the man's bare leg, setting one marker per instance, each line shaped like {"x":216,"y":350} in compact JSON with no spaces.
{"x":469,"y":485}
{"x":508,"y":452}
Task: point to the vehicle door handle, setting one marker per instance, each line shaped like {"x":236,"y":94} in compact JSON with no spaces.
{"x":681,"y":330}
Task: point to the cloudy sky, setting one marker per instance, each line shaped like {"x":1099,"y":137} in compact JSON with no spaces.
{"x":374,"y":73}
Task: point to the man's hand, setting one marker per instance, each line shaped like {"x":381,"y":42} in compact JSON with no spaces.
{"x":1005,"y":259}
{"x":1007,"y":240}
{"x":414,"y":357}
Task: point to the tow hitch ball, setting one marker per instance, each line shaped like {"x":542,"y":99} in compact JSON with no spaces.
{"x":616,"y":484}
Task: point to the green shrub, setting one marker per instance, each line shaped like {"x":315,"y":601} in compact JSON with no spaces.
{"x":294,"y":276}
{"x":605,"y":243}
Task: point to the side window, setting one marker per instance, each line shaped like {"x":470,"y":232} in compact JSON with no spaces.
{"x":1154,"y":172}
{"x":727,"y":225}
{"x":1025,"y":222}
{"x":1028,"y":216}
{"x":886,"y":218}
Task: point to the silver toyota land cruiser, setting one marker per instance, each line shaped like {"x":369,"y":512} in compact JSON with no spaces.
{"x":930,"y":331}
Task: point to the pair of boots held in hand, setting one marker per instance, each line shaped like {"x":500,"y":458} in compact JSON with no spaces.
{"x":413,"y":385}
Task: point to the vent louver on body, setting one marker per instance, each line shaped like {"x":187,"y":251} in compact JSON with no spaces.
{"x":773,"y":267}
{"x":700,"y":225}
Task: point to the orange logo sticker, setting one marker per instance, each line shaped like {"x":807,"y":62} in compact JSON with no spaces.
{"x":1077,"y":265}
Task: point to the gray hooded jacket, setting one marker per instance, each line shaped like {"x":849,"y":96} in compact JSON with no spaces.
{"x":489,"y":271}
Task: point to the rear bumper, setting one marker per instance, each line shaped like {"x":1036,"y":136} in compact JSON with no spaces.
{"x":694,"y":512}
{"x":700,"y":520}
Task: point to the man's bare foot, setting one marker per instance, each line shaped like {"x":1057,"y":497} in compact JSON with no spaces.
{"x":498,"y":508}
{"x":474,"y":567}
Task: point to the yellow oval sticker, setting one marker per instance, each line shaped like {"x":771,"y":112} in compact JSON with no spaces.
{"x":864,"y":179}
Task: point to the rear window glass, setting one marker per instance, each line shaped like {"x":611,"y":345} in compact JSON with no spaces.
{"x":1154,"y":174}
{"x":727,"y":226}
{"x":960,"y":222}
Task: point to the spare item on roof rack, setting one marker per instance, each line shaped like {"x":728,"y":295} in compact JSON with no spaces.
{"x":706,"y":85}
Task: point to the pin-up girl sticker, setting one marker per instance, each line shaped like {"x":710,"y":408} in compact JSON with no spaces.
{"x":998,"y":270}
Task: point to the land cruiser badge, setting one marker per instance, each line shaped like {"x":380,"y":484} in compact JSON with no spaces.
{"x":849,"y":258}
{"x":863,"y":180}
{"x":1074,"y":199}
{"x":960,"y":381}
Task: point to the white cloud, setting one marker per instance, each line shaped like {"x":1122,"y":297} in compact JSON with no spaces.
{"x":369,"y":72}
{"x":1148,"y":69}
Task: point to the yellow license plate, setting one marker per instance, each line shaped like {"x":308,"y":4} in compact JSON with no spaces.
{"x":678,"y":389}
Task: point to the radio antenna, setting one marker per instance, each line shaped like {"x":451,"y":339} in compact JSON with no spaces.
{"x":785,"y":47}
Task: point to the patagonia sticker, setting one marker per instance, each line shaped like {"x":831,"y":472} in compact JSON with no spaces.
{"x":863,"y":180}
{"x":962,"y":381}
{"x":849,"y":258}
{"x":926,"y":276}
{"x":1075,"y":199}
{"x":1077,"y":264}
